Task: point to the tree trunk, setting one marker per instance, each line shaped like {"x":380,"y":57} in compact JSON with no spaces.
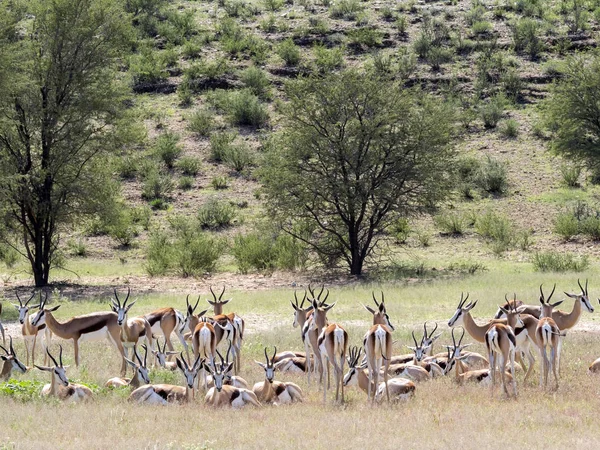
{"x":40,"y":264}
{"x":356,"y":257}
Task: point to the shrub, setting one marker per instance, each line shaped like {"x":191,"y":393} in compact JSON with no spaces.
{"x":509,"y":128}
{"x":481,"y":27}
{"x":141,"y":216}
{"x":167,"y":148}
{"x":436,"y":56}
{"x":219,"y":182}
{"x":220,"y":143}
{"x":197,"y":253}
{"x":76,"y":248}
{"x":452,"y":223}
{"x":273,"y":5}
{"x":157,"y":186}
{"x":200,"y":122}
{"x":147,"y":68}
{"x":328,"y":60}
{"x":423,"y":44}
{"x":566,"y":226}
{"x":254,"y":251}
{"x":184,"y":93}
{"x":559,"y":262}
{"x":491,"y":112}
{"x":256,"y":80}
{"x":238,"y":157}
{"x":244,"y":108}
{"x":571,"y":174}
{"x":512,"y":84}
{"x":401,"y":24}
{"x":289,"y":52}
{"x":186,"y":183}
{"x":365,"y":36}
{"x":189,"y":165}
{"x":497,"y":229}
{"x":127,"y":166}
{"x":291,"y":253}
{"x":216,"y":214}
{"x":526,"y":37}
{"x":590,"y":227}
{"x":401,"y":229}
{"x":493,"y":177}
{"x":345,"y":9}
{"x":159,"y":254}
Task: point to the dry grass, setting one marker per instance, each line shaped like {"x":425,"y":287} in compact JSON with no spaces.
{"x":441,"y":415}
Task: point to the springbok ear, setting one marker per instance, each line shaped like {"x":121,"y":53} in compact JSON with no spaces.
{"x":211,"y":303}
{"x":54,"y":308}
{"x":263,"y":365}
{"x":16,"y":306}
{"x":554,"y":305}
{"x":228,"y":368}
{"x":411,"y":348}
{"x":473,"y":305}
{"x":130,"y":305}
{"x":368,"y":308}
{"x":201,"y":313}
{"x":502,"y":309}
{"x":4,"y":358}
{"x":281,"y":363}
{"x":44,"y":368}
{"x":330,"y":306}
{"x":571,"y":295}
{"x":436,"y":337}
{"x":113,"y":308}
{"x":131,"y":363}
{"x":225,"y":302}
{"x":172,"y":353}
{"x":294,"y":306}
{"x":180,"y":364}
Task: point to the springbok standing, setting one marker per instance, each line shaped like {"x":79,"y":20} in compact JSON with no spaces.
{"x":80,"y":328}
{"x":301,"y":316}
{"x":165,"y":321}
{"x":30,"y":332}
{"x":59,"y":385}
{"x":313,"y":327}
{"x":500,"y":340}
{"x":547,"y":336}
{"x":2,"y":327}
{"x":10,"y":362}
{"x":132,"y":330}
{"x":236,"y":321}
{"x":378,"y":345}
{"x":333,"y":346}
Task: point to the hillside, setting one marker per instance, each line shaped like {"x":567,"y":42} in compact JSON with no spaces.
{"x":207,"y":78}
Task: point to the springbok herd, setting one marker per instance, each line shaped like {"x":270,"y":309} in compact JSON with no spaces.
{"x":513,"y":334}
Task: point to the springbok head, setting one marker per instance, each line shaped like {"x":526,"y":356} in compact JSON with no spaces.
{"x":507,"y":305}
{"x":217,"y":303}
{"x":419,"y":349}
{"x":121,"y":309}
{"x":511,"y":311}
{"x":583,"y":297}
{"x":58,"y":371}
{"x":351,"y":377}
{"x":461,"y":310}
{"x":24,"y":308}
{"x":190,"y":371}
{"x":429,"y":338}
{"x":270,"y":366}
{"x":161,"y":354}
{"x":141,"y":367}
{"x":547,"y":307}
{"x":190,"y":316}
{"x":300,"y":313}
{"x":10,"y":357}
{"x":40,"y":316}
{"x":380,"y":315}
{"x":219,"y":371}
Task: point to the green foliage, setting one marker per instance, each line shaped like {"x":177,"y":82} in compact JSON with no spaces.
{"x":199,"y":75}
{"x":256,"y":80}
{"x":493,"y":177}
{"x":328,"y":60}
{"x":147,"y":68}
{"x":451,"y":222}
{"x":76,"y":248}
{"x":526,"y":37}
{"x":123,"y":229}
{"x":559,"y":262}
{"x":201,"y":122}
{"x":216,"y":214}
{"x":401,"y":229}
{"x":220,"y":182}
{"x":498,"y":230}
{"x":566,"y":226}
{"x":289,"y":52}
{"x":492,"y":111}
{"x":238,"y":157}
{"x":367,"y":37}
{"x":21,"y":390}
{"x":570,"y":174}
{"x":580,"y":219}
{"x":185,"y":183}
{"x":220,"y":143}
{"x":509,"y":128}
{"x":189,"y":165}
{"x":345,"y":9}
{"x":264,"y":252}
{"x":157,"y":185}
{"x":244,"y":108}
{"x":167,"y":148}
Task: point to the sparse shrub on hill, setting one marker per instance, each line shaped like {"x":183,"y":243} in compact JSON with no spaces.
{"x":216,"y":214}
{"x":167,"y":148}
{"x":266,"y":251}
{"x":451,"y":222}
{"x":189,"y":165}
{"x":244,"y":108}
{"x":526,"y":37}
{"x":289,"y":52}
{"x":559,"y":262}
{"x":256,"y":80}
{"x":201,"y":122}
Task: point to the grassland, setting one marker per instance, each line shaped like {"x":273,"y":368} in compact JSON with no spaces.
{"x":441,"y":415}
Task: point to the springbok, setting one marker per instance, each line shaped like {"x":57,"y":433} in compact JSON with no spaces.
{"x":162,"y":394}
{"x":236,"y":321}
{"x":462,"y":374}
{"x":2,"y":327}
{"x":378,"y":345}
{"x":276,"y":392}
{"x":92,"y":326}
{"x":313,"y":327}
{"x":508,"y":305}
{"x":162,"y":354}
{"x":223,"y":395}
{"x":140,"y":372}
{"x":30,"y":333}
{"x":132,"y":330}
{"x":230,"y":379}
{"x":500,"y":340}
{"x":357,"y":375}
{"x":165,"y":321}
{"x":59,"y":385}
{"x":429,"y":338}
{"x":470,"y":359}
{"x":10,"y":362}
{"x":547,"y":336}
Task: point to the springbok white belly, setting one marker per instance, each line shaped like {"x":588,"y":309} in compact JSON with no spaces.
{"x":285,"y":397}
{"x":100,"y":334}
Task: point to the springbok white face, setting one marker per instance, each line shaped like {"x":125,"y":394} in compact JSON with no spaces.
{"x":419,"y":349}
{"x":59,"y":372}
{"x":428,"y":338}
{"x":162,"y":353}
{"x":269,"y":366}
{"x":141,"y":369}
{"x":547,"y":307}
{"x":299,"y":310}
{"x":455,"y":349}
{"x":24,"y":308}
{"x":40,"y":316}
{"x":458,"y":318}
{"x":583,"y":297}
{"x":11,"y":357}
{"x":123,"y":309}
{"x":190,"y":372}
{"x":380,"y":316}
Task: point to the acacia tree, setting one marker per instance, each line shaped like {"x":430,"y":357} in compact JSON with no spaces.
{"x":58,"y":113}
{"x":573,"y":110}
{"x":355,"y":153}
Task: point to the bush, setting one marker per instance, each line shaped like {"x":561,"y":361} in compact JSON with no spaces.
{"x":437,"y":55}
{"x":345,"y":9}
{"x":238,"y":157}
{"x":453,"y":223}
{"x":76,"y":248}
{"x":216,"y":214}
{"x":509,"y":128}
{"x":493,"y":177}
{"x":291,"y":253}
{"x":147,"y":68}
{"x":141,"y":216}
{"x":491,"y":112}
{"x":289,"y":52}
{"x":254,"y":250}
{"x":328,"y":60}
{"x":559,"y":262}
{"x":256,"y":80}
{"x":498,"y":230}
{"x":167,"y":148}
{"x":220,"y":143}
{"x":244,"y":108}
{"x":189,"y":165}
{"x":401,"y":229}
{"x":220,"y":182}
{"x":566,"y":226}
{"x":157,"y":186}
{"x":571,"y":174}
{"x":201,"y":122}
{"x":186,"y":183}
{"x":526,"y":37}
{"x":590,"y":227}
{"x":159,"y":254}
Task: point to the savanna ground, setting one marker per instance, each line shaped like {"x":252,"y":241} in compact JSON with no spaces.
{"x":441,"y":414}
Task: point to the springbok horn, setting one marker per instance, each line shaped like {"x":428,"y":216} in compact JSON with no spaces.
{"x":60,"y":355}
{"x":19,"y":298}
{"x":51,"y":357}
{"x":213,"y":293}
{"x":580,"y":286}
{"x":374,"y":299}
{"x":266,"y":356}
{"x":10,"y":346}
{"x":551,"y":293}
{"x":414,"y":338}
{"x":222,"y":292}
{"x":117,"y":297}
{"x":127,"y":298}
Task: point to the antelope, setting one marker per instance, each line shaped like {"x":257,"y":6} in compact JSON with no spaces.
{"x":2,"y":328}
{"x":333,"y":343}
{"x":462,"y":317}
{"x":236,"y":321}
{"x":378,"y":345}
{"x":221,"y":395}
{"x":80,"y":328}
{"x":508,"y":305}
{"x":161,"y":355}
{"x":297,"y":364}
{"x":469,"y":359}
{"x":595,"y":366}
{"x":276,"y":392}
{"x":398,"y":388}
{"x":500,"y":340}
{"x":162,"y":394}
{"x":165,"y":321}
{"x":59,"y":385}
{"x":140,"y":372}
{"x":547,"y":335}
{"x":412,"y":372}
{"x":132,"y":330}
{"x":230,"y":379}
{"x":301,"y":316}
{"x":419,"y":350}
{"x":462,"y":374}
{"x":30,"y":332}
{"x":313,"y":327}
{"x":10,"y":362}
